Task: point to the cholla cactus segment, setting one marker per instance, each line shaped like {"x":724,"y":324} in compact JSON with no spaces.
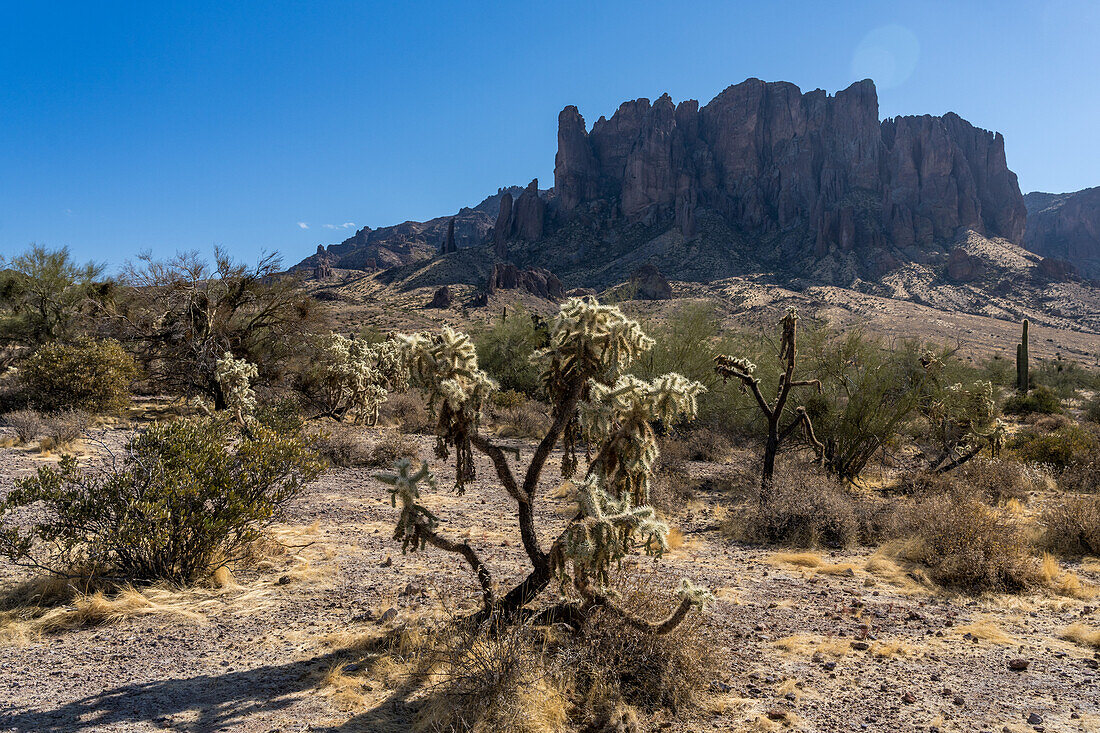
{"x":590,"y":341}
{"x":618,"y":419}
{"x":697,"y":595}
{"x":444,"y":366}
{"x":415,"y":522}
{"x":353,"y":374}
{"x":234,"y":378}
{"x":606,"y":530}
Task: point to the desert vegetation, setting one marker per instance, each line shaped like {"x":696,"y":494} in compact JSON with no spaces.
{"x":589,"y":519}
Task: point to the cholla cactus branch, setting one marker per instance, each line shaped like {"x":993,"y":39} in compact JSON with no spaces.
{"x":729,"y":367}
{"x":416,"y":525}
{"x":234,"y":378}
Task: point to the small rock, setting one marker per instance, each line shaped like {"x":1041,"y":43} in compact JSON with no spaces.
{"x":283,"y":580}
{"x":1018,"y":664}
{"x":1034,"y":719}
{"x":908,"y":698}
{"x":860,"y":646}
{"x":387,"y":616}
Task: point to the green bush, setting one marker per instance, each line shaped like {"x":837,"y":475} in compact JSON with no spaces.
{"x":1041,"y":400}
{"x":1058,"y":449}
{"x":504,"y":351}
{"x":87,"y":375}
{"x":1092,"y":409}
{"x":1064,"y":377}
{"x":188,"y":497}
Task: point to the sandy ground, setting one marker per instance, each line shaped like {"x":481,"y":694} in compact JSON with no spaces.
{"x":812,"y":643}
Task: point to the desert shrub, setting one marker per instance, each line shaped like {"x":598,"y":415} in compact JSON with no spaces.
{"x":409,"y":412}
{"x":704,"y":444}
{"x":965,"y":543}
{"x":1064,"y":377}
{"x":1082,"y":475}
{"x":618,"y":664}
{"x":46,"y":296}
{"x":504,"y":350}
{"x":802,"y":508}
{"x":996,"y":480}
{"x":1057,"y":449}
{"x":27,"y":424}
{"x":181,"y":315}
{"x":1091,"y":409}
{"x":506,"y":398}
{"x":1041,"y":400}
{"x":342,"y":447}
{"x":526,"y":420}
{"x":391,"y":447}
{"x":1071,"y":526}
{"x":204,"y":492}
{"x":87,"y":375}
{"x":65,"y":427}
{"x":282,"y":416}
{"x":868,"y":393}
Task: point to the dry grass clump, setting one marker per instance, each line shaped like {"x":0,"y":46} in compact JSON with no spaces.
{"x":1071,"y":525}
{"x":965,"y":543}
{"x":672,"y":488}
{"x":802,"y":508}
{"x":998,"y":481}
{"x":347,"y":447}
{"x":66,"y":427}
{"x":1082,"y":634}
{"x":1064,"y":582}
{"x":524,"y":420}
{"x":409,"y":412}
{"x":27,"y":424}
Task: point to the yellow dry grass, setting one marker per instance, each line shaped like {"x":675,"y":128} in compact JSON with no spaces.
{"x":986,"y":629}
{"x":892,"y":648}
{"x":1083,"y":634}
{"x":808,"y":644}
{"x":1064,"y":582}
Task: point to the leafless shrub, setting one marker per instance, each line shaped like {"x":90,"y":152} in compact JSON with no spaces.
{"x":525,"y":420}
{"x":1072,"y":526}
{"x":27,"y":424}
{"x":392,"y":446}
{"x":66,"y":427}
{"x":409,"y":412}
{"x":965,"y":543}
{"x":342,"y":447}
{"x":803,"y":508}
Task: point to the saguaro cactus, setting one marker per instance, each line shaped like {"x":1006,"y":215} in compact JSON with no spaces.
{"x":1021,"y":363}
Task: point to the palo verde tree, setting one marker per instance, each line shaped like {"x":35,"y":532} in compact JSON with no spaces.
{"x":592,"y":401}
{"x":181,"y":315}
{"x":742,"y":369}
{"x":46,"y":296}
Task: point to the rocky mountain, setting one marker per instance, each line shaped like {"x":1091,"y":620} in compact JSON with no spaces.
{"x":765,"y":175}
{"x":807,"y":188}
{"x":1066,"y":226}
{"x":410,"y":241}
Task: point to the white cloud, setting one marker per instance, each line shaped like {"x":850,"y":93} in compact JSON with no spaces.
{"x":303,"y":225}
{"x":329,"y":226}
{"x":348,"y":225}
{"x":345,"y":225}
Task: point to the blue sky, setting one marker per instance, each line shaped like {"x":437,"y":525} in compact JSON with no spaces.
{"x":170,"y":126}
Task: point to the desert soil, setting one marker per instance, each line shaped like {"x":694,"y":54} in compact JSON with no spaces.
{"x":834,"y":642}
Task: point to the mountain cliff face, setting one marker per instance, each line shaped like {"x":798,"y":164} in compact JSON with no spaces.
{"x":1067,"y":227}
{"x":805,"y":175}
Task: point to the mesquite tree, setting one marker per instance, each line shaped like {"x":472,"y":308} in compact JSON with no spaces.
{"x":592,"y":402}
{"x":742,"y":369}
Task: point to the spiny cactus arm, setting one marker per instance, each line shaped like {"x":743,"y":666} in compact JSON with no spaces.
{"x":417,"y":526}
{"x":729,"y":367}
{"x":691,"y":596}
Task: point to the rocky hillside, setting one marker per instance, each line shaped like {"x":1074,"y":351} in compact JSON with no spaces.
{"x":1066,"y":226}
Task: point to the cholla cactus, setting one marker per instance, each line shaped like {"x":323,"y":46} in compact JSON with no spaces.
{"x":618,"y":417}
{"x":589,"y":346}
{"x":445,"y":367}
{"x":965,"y":422}
{"x":350,"y":375}
{"x":742,"y":370}
{"x":605,"y":531}
{"x":234,"y":378}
